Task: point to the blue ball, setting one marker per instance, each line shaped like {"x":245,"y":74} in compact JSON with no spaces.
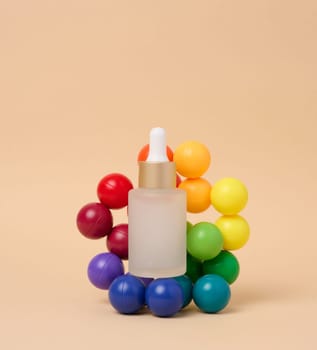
{"x":164,"y":297}
{"x":103,"y":269}
{"x":127,"y":294}
{"x":211,"y":293}
{"x":187,"y":287}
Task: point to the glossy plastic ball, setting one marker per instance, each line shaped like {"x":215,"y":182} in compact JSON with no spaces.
{"x":103,"y":269}
{"x":94,"y":220}
{"x":117,"y":241}
{"x":224,"y":264}
{"x":144,"y":152}
{"x":193,"y":268}
{"x":198,"y":194}
{"x":229,"y":196}
{"x":178,"y":180}
{"x":211,"y":293}
{"x":127,"y":294}
{"x":187,"y":288}
{"x":113,"y":190}
{"x":192,"y":159}
{"x":189,"y":225}
{"x":164,"y":297}
{"x":145,"y":280}
{"x":204,"y":241}
{"x":235,"y":231}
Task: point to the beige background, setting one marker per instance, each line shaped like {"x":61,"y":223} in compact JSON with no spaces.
{"x":81,"y":84}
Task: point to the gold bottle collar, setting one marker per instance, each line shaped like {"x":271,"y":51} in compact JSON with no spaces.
{"x":157,"y":175}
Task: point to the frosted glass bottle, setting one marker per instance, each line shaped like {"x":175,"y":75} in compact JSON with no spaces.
{"x":157,"y":216}
{"x":157,"y":232}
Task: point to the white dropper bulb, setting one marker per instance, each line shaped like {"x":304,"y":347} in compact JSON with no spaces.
{"x":157,"y":152}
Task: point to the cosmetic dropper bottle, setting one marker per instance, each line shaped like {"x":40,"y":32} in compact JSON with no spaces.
{"x":157,"y":216}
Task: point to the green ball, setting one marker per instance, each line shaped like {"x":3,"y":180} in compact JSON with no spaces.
{"x":204,"y":241}
{"x":225,"y":265}
{"x":193,"y":268}
{"x":189,"y":226}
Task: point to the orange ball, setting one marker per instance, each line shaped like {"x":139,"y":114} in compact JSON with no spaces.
{"x":192,"y":159}
{"x":144,"y":152}
{"x":198,"y":194}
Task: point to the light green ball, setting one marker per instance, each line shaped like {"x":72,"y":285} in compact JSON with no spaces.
{"x":204,"y":241}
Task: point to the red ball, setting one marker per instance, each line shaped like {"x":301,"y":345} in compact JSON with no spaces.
{"x":117,"y":241}
{"x":94,"y":220}
{"x":113,"y":190}
{"x":178,"y":180}
{"x":144,"y":152}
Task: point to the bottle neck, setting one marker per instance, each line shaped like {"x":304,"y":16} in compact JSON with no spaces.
{"x":158,"y":175}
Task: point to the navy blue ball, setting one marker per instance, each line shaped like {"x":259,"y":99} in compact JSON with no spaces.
{"x":164,"y":297}
{"x":127,"y":294}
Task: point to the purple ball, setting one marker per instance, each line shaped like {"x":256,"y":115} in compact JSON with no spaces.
{"x":103,"y":269}
{"x":145,"y":280}
{"x":94,"y":220}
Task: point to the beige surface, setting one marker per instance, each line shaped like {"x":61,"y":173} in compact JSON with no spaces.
{"x":81,"y":83}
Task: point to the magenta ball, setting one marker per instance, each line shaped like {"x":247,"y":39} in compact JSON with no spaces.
{"x":103,"y":269}
{"x":94,"y":220}
{"x":117,"y":241}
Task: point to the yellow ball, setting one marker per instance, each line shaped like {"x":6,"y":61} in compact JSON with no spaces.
{"x":235,"y":231}
{"x":229,"y":196}
{"x":198,"y":194}
{"x":192,"y":159}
